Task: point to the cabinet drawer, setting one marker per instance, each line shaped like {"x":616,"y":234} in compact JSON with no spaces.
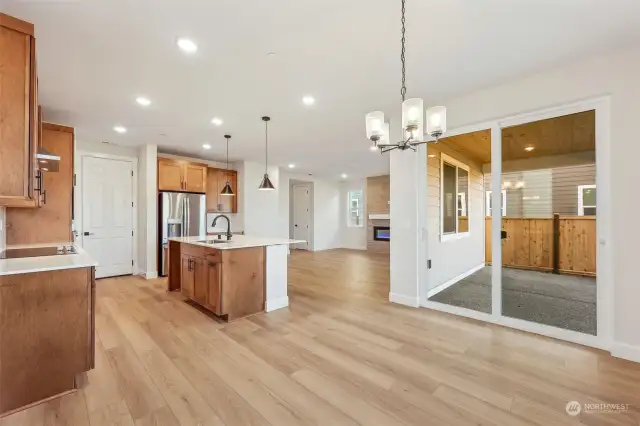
{"x":193,"y":250}
{"x":213,"y":256}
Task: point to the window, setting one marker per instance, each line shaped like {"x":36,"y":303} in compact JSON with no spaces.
{"x":355,"y":211}
{"x":488,"y":203}
{"x":586,"y":200}
{"x":454,"y":197}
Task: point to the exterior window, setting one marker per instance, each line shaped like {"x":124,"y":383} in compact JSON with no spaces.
{"x":586,"y":200}
{"x":355,"y":211}
{"x":488,"y":203}
{"x":454,"y":197}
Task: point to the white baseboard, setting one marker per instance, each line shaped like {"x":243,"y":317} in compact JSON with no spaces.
{"x":150,"y":275}
{"x":454,"y":280}
{"x":624,"y":351}
{"x":272,"y":305}
{"x":401,"y":299}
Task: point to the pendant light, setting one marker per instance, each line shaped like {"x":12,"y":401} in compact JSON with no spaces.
{"x":227,"y":188}
{"x":412,"y":116}
{"x":266,"y":184}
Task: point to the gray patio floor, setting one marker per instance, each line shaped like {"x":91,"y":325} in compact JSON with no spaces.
{"x":564,"y":301}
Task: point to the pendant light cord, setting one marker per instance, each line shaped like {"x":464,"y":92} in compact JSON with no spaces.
{"x":403,"y":90}
{"x":227,"y":171}
{"x":266,"y":146}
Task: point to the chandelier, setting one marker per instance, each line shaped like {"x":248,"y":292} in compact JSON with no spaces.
{"x":412,"y":117}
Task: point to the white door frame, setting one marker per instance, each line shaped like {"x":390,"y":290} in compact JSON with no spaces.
{"x":309,"y":216}
{"x":77,"y":193}
{"x":604,"y":338}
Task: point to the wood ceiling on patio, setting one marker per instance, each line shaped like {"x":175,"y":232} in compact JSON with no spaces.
{"x":555,"y":136}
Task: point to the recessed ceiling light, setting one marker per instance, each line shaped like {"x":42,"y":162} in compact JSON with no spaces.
{"x":217,"y":121}
{"x":271,"y":55}
{"x":206,"y":146}
{"x":120,"y":129}
{"x":308,"y":100}
{"x":291,"y":166}
{"x":143,"y":101}
{"x":344,"y":176}
{"x":431,"y":155}
{"x":530,"y":148}
{"x":187,"y":45}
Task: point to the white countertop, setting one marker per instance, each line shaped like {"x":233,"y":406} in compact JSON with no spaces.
{"x":237,"y":241}
{"x":28,"y":265}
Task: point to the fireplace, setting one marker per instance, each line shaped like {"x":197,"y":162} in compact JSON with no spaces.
{"x":381,"y":233}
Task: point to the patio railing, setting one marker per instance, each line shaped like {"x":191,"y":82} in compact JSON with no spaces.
{"x":562,"y":244}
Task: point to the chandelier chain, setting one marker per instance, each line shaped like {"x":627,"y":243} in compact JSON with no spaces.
{"x":403,"y":90}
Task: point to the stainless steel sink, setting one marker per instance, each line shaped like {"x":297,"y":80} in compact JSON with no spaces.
{"x":214,"y":241}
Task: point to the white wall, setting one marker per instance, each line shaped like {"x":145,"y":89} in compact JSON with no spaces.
{"x":148,"y":210}
{"x":351,"y":237}
{"x":105,"y":148}
{"x":261,"y":209}
{"x":3,"y":227}
{"x":615,"y":75}
{"x":326,"y":210}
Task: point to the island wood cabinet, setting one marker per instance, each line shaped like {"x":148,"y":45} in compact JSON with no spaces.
{"x":47,"y":333}
{"x":174,"y":175}
{"x":18,"y":113}
{"x":216,"y":180}
{"x":229,"y":283}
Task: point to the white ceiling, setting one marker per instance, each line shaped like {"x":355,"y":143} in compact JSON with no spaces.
{"x":96,"y":56}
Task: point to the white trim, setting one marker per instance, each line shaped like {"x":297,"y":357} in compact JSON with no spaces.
{"x":488,"y":203}
{"x":77,"y":222}
{"x":452,"y":281}
{"x":150,"y":275}
{"x":272,"y":305}
{"x":401,"y":299}
{"x":379,"y":216}
{"x":581,"y":205}
{"x":605,"y":303}
{"x":624,"y":351}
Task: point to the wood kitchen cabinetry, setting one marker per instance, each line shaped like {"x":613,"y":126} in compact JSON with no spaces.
{"x":18,"y":113}
{"x":174,"y":175}
{"x":47,"y":334}
{"x":229,"y":283}
{"x":216,"y":180}
{"x":52,"y":221}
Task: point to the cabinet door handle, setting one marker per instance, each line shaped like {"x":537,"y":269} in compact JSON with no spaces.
{"x":44,"y":196}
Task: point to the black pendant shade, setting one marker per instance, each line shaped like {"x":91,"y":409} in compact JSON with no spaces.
{"x":227,"y":188}
{"x":266,"y":184}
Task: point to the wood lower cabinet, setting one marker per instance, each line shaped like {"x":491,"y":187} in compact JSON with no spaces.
{"x":46,"y":334}
{"x":18,"y":113}
{"x":229,"y":283}
{"x":174,"y":175}
{"x":216,"y":181}
{"x":52,"y":221}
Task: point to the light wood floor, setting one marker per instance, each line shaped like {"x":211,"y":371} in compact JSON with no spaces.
{"x":341,"y":355}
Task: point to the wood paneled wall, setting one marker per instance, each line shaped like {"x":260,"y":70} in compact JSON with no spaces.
{"x":378,"y":194}
{"x":529,"y":244}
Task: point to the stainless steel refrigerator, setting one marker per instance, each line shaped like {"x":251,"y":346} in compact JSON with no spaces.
{"x":180,"y":214}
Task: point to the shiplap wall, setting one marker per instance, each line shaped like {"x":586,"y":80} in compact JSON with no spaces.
{"x":450,"y":259}
{"x":377,"y":199}
{"x":545,"y":191}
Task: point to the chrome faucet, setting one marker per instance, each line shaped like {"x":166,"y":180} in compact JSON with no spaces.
{"x":228,"y":234}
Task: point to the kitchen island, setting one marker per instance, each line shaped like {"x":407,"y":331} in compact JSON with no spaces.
{"x":231,"y":278}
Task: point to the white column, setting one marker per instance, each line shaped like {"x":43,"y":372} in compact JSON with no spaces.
{"x":276,"y":278}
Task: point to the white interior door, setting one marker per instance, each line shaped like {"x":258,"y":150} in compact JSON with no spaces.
{"x":107,"y":214}
{"x":301,"y":215}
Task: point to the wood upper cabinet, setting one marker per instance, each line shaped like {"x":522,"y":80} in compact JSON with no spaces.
{"x":52,"y":221}
{"x":216,"y":180}
{"x":195,"y":177}
{"x":170,"y":175}
{"x":18,"y":112}
{"x":176,"y":175}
